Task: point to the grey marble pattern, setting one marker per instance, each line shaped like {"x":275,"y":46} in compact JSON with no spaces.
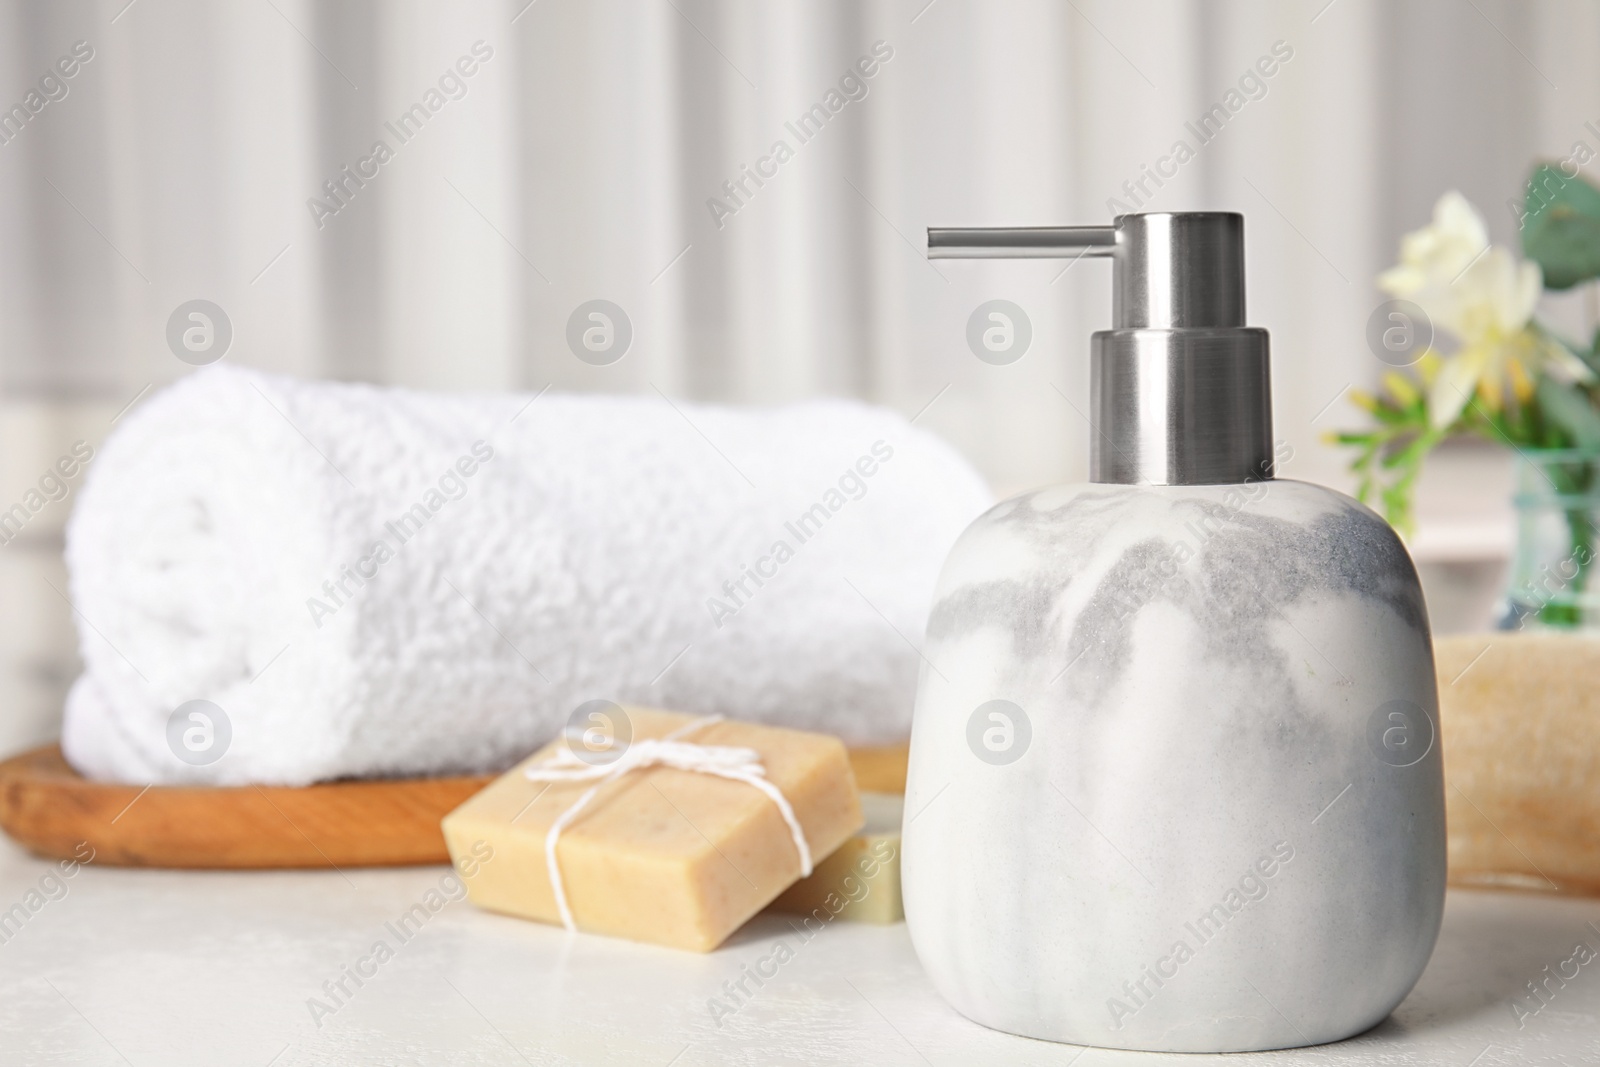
{"x":1207,"y":834}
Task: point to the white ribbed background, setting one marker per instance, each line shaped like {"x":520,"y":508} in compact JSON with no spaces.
{"x":584,"y":152}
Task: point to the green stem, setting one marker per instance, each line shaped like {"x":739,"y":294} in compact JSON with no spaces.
{"x":1574,"y":481}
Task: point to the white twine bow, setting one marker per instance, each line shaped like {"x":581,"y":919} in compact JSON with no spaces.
{"x":738,"y":764}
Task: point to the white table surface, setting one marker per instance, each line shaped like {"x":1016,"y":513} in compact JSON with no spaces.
{"x":170,"y":968}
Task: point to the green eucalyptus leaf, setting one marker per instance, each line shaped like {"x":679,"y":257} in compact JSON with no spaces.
{"x":1561,"y":227}
{"x":1568,"y":407}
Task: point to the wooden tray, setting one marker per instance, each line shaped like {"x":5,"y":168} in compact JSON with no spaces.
{"x":49,"y":808}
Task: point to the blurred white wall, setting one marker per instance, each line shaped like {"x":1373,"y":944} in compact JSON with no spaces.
{"x":579,"y":162}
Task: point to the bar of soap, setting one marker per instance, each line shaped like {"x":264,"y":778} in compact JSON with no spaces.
{"x":861,"y":881}
{"x":663,"y":855}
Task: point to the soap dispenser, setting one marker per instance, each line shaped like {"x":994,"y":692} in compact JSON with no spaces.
{"x":1175,"y":779}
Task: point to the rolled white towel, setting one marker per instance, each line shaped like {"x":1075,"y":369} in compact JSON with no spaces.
{"x":372,"y":581}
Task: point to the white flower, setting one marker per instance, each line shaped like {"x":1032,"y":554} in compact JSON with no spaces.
{"x":1434,"y":256}
{"x":1484,"y":296}
{"x":1495,"y":295}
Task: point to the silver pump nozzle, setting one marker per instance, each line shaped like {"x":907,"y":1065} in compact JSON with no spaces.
{"x":1180,"y":387}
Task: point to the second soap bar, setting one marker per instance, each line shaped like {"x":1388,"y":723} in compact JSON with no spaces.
{"x":861,"y":881}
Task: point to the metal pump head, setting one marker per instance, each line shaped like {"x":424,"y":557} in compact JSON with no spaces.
{"x":1180,"y":386}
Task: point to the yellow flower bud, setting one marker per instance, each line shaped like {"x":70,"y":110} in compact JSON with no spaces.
{"x":1400,"y":388}
{"x":1521,"y":384}
{"x":1489,"y":389}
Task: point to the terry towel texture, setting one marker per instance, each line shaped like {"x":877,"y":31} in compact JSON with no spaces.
{"x":372,"y":581}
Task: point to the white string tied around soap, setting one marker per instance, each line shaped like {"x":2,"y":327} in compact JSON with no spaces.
{"x":724,"y":761}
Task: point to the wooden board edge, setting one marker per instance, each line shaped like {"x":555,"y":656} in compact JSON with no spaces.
{"x":53,"y":812}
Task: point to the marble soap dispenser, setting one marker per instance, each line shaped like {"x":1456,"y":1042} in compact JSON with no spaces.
{"x":1175,"y":777}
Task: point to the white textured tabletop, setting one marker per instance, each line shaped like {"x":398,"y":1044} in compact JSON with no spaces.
{"x":119,"y":966}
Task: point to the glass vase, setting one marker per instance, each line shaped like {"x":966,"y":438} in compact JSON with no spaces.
{"x":1557,"y":503}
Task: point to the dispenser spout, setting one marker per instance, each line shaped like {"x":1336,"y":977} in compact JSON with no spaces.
{"x":1173,"y":269}
{"x":1180,"y":385}
{"x":1022,"y":242}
